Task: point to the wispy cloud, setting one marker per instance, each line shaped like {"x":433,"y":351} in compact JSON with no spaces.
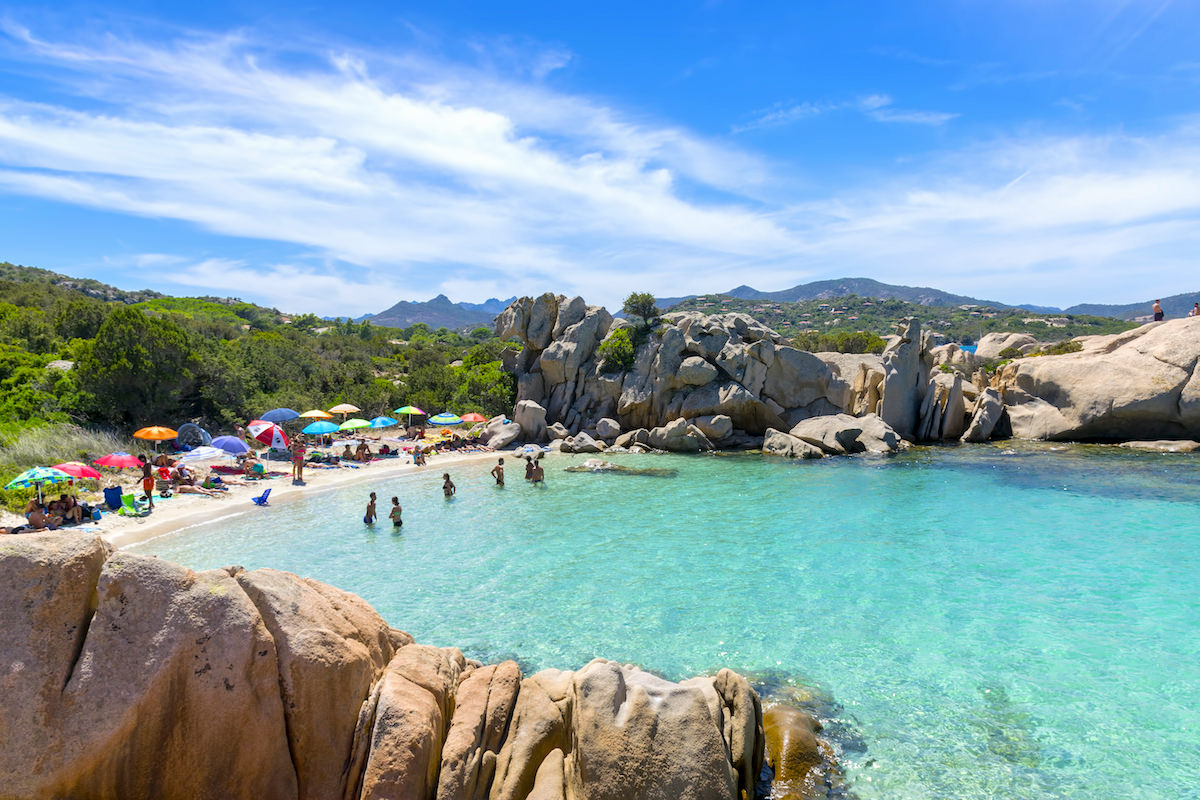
{"x":878,"y":107}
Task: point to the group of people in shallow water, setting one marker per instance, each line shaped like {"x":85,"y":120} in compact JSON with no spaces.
{"x":535,"y":473}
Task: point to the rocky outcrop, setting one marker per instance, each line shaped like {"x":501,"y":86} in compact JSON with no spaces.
{"x":127,"y":676}
{"x":778,"y":443}
{"x":532,"y":419}
{"x":692,"y":367}
{"x":993,"y":344}
{"x":1140,"y":384}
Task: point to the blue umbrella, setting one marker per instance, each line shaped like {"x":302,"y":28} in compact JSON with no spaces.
{"x":280,"y":415}
{"x":320,"y":426}
{"x":445,"y":418}
{"x":231,"y":444}
{"x":383,"y":422}
{"x":36,"y":477}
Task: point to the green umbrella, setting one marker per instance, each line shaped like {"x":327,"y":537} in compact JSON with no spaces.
{"x":351,"y":424}
{"x":408,"y":411}
{"x":36,"y":477}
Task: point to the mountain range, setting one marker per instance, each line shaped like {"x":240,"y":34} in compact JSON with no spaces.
{"x":440,"y":312}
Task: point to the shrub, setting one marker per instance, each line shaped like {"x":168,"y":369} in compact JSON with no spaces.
{"x":617,"y":351}
{"x":1009,"y":353}
{"x":1062,"y":348}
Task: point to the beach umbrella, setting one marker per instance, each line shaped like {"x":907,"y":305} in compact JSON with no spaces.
{"x":316,"y":413}
{"x":156,"y":434}
{"x":231,"y":444}
{"x":408,"y":411}
{"x":383,"y":422}
{"x":119,"y":461}
{"x":192,"y":435}
{"x":352,"y":424}
{"x":320,"y":426}
{"x":344,"y":409}
{"x":445,"y":418}
{"x":474,"y":417}
{"x":36,"y":477}
{"x":268,"y":433}
{"x":205,"y":454}
{"x":77,"y":469}
{"x":280,"y":415}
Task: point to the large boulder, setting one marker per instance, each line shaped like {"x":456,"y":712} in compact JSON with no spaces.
{"x":582,"y":443}
{"x":483,"y":706}
{"x":993,"y":344}
{"x":608,"y":428}
{"x":836,"y":434}
{"x":1141,"y":384}
{"x":779,"y":443}
{"x":532,"y":419}
{"x":695,"y":371}
{"x":677,"y":436}
{"x":904,"y":379}
{"x":988,"y":410}
{"x":612,"y":732}
{"x":715,"y":426}
{"x":500,"y":432}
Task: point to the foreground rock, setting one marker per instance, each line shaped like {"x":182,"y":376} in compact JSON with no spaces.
{"x":127,"y":676}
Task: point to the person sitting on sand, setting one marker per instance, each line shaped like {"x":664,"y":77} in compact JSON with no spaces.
{"x":66,"y":507}
{"x":347,"y":455}
{"x":369,"y":517}
{"x":32,"y":506}
{"x":40,"y":519}
{"x":363,"y":452}
{"x":448,"y":487}
{"x":395,"y":513}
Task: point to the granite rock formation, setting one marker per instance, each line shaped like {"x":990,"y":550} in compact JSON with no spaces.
{"x":126,"y":676}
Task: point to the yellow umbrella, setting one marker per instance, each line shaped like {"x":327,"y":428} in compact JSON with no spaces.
{"x":317,"y":413}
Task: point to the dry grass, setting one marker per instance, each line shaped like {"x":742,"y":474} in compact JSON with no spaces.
{"x":46,"y":445}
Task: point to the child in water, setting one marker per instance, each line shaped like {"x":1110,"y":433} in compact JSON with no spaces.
{"x":448,"y":487}
{"x":370,"y":516}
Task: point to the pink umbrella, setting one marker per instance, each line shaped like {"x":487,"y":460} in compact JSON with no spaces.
{"x":118,"y":460}
{"x":77,"y":469}
{"x":268,"y":433}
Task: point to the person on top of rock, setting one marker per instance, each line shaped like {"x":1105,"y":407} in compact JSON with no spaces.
{"x":1195,"y":312}
{"x":1158,"y":312}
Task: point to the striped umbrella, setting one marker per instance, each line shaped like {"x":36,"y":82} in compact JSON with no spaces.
{"x":36,"y":477}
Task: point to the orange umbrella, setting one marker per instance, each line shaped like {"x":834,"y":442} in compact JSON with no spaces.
{"x":156,"y":433}
{"x":473,"y":417}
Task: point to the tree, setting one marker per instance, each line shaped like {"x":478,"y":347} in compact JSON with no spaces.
{"x":617,"y":351}
{"x":641,"y":304}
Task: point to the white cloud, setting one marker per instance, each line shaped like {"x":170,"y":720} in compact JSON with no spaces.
{"x":390,"y":172}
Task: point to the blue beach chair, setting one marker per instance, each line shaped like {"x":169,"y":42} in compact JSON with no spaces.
{"x":261,"y":500}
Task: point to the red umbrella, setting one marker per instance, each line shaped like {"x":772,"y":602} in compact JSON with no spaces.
{"x":77,"y":469}
{"x":118,"y":460}
{"x":473,"y":417}
{"x":268,"y":433}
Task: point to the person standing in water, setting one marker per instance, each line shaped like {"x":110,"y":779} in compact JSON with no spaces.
{"x":498,"y":472}
{"x":370,"y":517}
{"x":448,"y":487}
{"x":395,"y":513}
{"x":539,"y":474}
{"x":528,"y":468}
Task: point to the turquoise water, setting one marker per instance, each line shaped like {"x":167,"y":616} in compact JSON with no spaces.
{"x":990,"y":621}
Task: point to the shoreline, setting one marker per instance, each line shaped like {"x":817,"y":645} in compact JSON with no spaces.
{"x":185,"y":511}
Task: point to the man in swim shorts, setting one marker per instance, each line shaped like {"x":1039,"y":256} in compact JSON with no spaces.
{"x":498,"y":473}
{"x":395,"y":514}
{"x":370,"y":517}
{"x":148,"y":480}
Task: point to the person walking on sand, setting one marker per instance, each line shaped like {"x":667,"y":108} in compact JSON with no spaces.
{"x":370,"y":517}
{"x":395,"y":513}
{"x":448,"y":487}
{"x":1158,"y":312}
{"x":298,"y":453}
{"x":498,"y":472}
{"x":148,"y":480}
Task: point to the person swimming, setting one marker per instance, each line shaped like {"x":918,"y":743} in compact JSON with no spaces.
{"x":370,"y":517}
{"x":396,"y":512}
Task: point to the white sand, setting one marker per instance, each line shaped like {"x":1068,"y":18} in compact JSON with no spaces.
{"x":186,"y":510}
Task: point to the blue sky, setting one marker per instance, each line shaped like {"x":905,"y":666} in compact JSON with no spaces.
{"x":337,"y":158}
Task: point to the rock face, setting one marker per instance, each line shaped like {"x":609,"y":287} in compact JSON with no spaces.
{"x":127,"y":676}
{"x":1141,"y":384}
{"x":993,"y":344}
{"x":697,"y":369}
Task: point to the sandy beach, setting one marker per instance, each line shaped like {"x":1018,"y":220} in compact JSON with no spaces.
{"x":186,"y":510}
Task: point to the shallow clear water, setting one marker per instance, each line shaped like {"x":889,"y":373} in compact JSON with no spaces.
{"x":994,"y":621}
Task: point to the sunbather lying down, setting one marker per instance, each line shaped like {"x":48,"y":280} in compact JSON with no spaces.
{"x":184,"y":488}
{"x":22,"y":529}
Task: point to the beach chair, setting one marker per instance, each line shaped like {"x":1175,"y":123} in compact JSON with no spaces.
{"x":130,"y":508}
{"x":261,"y":500}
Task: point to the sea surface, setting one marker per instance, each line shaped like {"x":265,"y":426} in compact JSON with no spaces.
{"x":994,"y":621}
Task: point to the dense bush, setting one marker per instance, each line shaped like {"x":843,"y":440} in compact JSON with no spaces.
{"x":617,"y":351}
{"x":1062,"y":348}
{"x":839,"y":342}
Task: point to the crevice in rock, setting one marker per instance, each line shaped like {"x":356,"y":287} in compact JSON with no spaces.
{"x":84,"y":627}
